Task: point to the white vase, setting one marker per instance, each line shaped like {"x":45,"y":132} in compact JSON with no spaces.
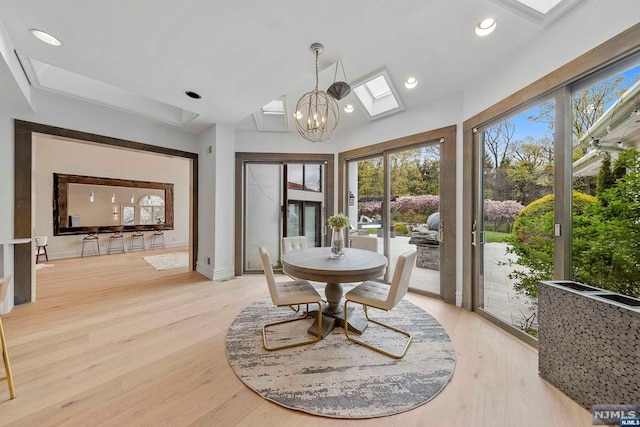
{"x":337,"y":243}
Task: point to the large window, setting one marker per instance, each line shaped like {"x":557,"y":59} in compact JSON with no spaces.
{"x":568,"y":160}
{"x":606,"y":180}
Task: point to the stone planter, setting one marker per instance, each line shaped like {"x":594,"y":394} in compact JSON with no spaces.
{"x":589,"y":343}
{"x":428,"y":256}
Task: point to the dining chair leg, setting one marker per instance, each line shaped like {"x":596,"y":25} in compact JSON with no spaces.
{"x":384,"y":325}
{"x":264,"y":328}
{"x":7,"y":366}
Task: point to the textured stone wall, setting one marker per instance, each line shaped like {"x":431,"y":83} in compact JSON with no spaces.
{"x":588,"y":348}
{"x":428,"y":257}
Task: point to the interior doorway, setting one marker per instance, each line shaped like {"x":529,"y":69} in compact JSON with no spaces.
{"x":25,"y":132}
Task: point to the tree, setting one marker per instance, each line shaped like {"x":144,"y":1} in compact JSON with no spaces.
{"x":606,"y":178}
{"x":531,"y":173}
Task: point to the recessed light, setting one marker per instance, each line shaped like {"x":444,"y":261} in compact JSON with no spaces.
{"x":486,"y":27}
{"x":193,"y":95}
{"x":411,"y":82}
{"x":45,"y":37}
{"x":348,"y":108}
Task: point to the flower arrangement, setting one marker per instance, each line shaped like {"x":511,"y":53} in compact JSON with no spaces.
{"x":338,"y":221}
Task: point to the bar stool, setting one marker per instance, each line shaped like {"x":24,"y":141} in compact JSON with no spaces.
{"x":90,"y":239}
{"x":116,"y":240}
{"x":137,"y":239}
{"x":41,"y":247}
{"x":157,"y":239}
{"x":4,"y":285}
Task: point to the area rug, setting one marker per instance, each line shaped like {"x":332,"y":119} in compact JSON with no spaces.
{"x":335,"y":377}
{"x":168,"y":261}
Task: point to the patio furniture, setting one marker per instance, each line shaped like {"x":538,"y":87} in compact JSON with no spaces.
{"x":4,"y":286}
{"x":368,"y":243}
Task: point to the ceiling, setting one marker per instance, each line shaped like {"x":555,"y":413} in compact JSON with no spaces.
{"x":141,"y":56}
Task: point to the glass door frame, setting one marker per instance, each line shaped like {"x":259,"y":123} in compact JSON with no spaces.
{"x":273,"y":158}
{"x":446,"y":137}
{"x":562,"y":190}
{"x":565,"y":80}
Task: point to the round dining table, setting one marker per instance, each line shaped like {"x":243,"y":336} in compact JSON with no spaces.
{"x":316,"y":264}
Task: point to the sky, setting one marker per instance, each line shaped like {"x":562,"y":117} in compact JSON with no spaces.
{"x":537,"y":130}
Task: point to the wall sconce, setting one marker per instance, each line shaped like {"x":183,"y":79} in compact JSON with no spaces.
{"x":113,"y":197}
{"x":352,"y":199}
{"x":132,"y":198}
{"x":115,"y":213}
{"x":91,"y":196}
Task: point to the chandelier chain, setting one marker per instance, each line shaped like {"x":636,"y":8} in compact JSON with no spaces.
{"x":316,"y":69}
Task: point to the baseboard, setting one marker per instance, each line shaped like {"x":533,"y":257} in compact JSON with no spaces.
{"x":223,"y":273}
{"x":205,"y":270}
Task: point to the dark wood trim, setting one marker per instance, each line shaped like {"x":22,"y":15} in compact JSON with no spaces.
{"x":279,"y":158}
{"x":610,"y":52}
{"x":22,"y":215}
{"x":60,"y":196}
{"x":23,"y":161}
{"x":447,"y":137}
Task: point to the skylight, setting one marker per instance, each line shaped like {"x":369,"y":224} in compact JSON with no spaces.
{"x":274,"y":107}
{"x":538,"y":11}
{"x":542,"y":6}
{"x":273,"y":117}
{"x":377,"y":95}
{"x":378,"y":87}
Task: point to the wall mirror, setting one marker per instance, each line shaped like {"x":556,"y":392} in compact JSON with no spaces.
{"x":80,"y":202}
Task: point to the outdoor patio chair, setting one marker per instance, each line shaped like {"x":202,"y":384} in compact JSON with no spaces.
{"x":365,"y":242}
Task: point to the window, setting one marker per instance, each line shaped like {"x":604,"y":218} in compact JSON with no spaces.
{"x":304,"y":177}
{"x":274,"y":107}
{"x":151,"y":209}
{"x":583,"y":226}
{"x":377,"y":96}
{"x":606,"y":139}
{"x":273,"y":116}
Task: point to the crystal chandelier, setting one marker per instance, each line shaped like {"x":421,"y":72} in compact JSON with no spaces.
{"x":317,"y":113}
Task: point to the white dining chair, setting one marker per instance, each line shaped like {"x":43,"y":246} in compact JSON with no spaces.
{"x":293,"y":244}
{"x":368,"y":243}
{"x":287,"y":294}
{"x":4,"y":286}
{"x":383,"y":297}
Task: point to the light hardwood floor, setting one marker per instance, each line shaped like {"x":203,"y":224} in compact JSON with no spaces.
{"x":112,"y":341}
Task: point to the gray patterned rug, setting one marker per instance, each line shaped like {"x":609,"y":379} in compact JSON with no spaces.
{"x":338,"y":378}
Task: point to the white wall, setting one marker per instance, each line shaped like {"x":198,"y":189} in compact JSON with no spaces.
{"x":216,"y":198}
{"x":53,"y":155}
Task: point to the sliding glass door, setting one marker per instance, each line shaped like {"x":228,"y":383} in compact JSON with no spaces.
{"x":395,"y":196}
{"x":555,"y":196}
{"x":281,"y":200}
{"x":415,"y":214}
{"x":515,"y":171}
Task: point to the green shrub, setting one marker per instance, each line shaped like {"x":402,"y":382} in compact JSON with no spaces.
{"x":532,"y":241}
{"x":401,"y":229}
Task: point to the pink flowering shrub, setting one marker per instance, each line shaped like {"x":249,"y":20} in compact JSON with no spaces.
{"x":407,"y":209}
{"x":501,"y":211}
